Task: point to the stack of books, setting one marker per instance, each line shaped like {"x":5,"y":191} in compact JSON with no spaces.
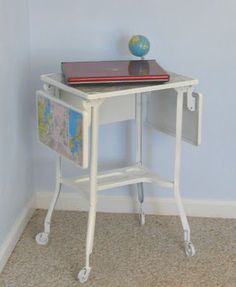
{"x":113,"y":72}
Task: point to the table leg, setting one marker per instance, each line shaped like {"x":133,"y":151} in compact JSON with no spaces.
{"x":42,"y":237}
{"x":84,"y":273}
{"x":139,"y":139}
{"x":189,"y":248}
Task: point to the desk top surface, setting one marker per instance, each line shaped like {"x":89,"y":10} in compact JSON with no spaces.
{"x":102,"y":91}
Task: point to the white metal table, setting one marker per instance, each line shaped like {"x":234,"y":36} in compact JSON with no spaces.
{"x":101,"y":104}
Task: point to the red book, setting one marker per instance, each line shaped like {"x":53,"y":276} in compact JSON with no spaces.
{"x":113,"y":71}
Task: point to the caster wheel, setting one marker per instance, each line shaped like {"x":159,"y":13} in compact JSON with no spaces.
{"x":84,"y":274}
{"x":189,"y":248}
{"x":42,"y":238}
{"x":142,"y":218}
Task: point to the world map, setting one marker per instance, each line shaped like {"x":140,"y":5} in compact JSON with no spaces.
{"x":61,"y":129}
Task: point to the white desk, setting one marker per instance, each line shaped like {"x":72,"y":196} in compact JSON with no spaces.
{"x":172,"y":107}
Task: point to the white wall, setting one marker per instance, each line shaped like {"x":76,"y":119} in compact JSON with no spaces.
{"x":15,"y":113}
{"x":195,"y":38}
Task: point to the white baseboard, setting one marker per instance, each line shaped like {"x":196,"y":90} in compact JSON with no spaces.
{"x":16,"y":231}
{"x":126,"y":204}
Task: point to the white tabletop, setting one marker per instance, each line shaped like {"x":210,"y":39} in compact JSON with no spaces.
{"x":101,"y":91}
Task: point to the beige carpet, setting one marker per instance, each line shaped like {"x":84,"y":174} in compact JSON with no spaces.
{"x":125,"y":253}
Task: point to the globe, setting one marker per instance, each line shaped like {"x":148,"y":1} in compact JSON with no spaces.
{"x":139,"y":45}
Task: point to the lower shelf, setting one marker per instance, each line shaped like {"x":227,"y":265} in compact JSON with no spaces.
{"x":118,"y":177}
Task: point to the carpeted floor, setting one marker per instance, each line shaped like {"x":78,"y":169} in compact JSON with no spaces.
{"x":125,"y":253}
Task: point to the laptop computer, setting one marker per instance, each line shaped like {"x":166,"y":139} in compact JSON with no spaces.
{"x":113,"y":72}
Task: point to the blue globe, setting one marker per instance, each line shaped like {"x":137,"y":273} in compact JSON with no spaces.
{"x":139,"y":45}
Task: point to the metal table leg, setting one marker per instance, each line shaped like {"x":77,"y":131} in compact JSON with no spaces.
{"x":84,"y":273}
{"x":139,"y":138}
{"x":189,"y":248}
{"x":43,"y":237}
